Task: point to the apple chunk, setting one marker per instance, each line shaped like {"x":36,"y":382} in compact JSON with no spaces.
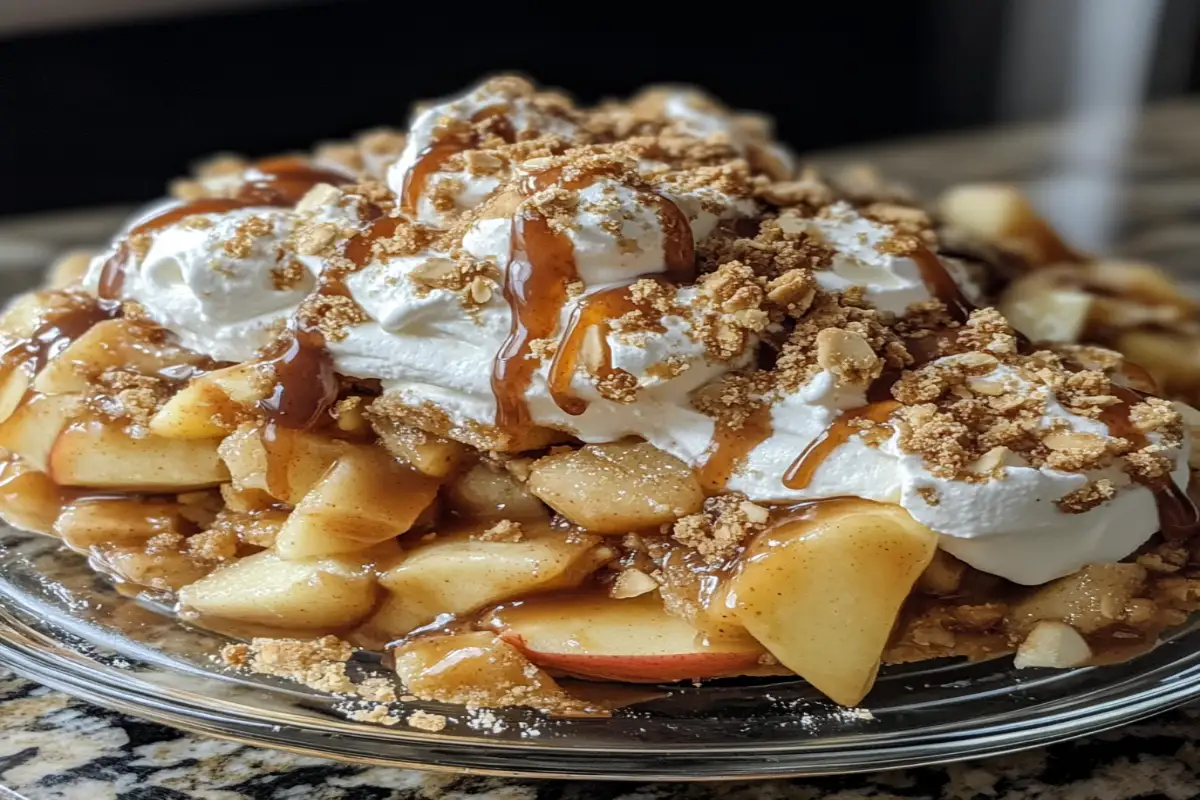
{"x":822,"y":591}
{"x":211,"y":405}
{"x":104,"y":457}
{"x":316,"y":594}
{"x":476,"y":668}
{"x":114,"y":343}
{"x":618,"y":487}
{"x":29,"y":500}
{"x":32,"y":429}
{"x":14,"y":385}
{"x":118,"y":521}
{"x":284,"y":463}
{"x":635,"y":640}
{"x":366,"y":497}
{"x":457,"y":574}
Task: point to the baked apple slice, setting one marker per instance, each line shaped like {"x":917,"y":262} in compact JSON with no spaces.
{"x":1002,"y":215}
{"x":14,"y":385}
{"x":32,"y":429}
{"x":103,"y":456}
{"x":477,"y":669}
{"x":618,"y":487}
{"x":364,"y":498}
{"x":211,"y":405}
{"x":314,"y":594}
{"x":822,"y":591}
{"x":634,"y":640}
{"x":112,"y":344}
{"x":29,"y":500}
{"x":286,"y":464}
{"x":458,"y":573}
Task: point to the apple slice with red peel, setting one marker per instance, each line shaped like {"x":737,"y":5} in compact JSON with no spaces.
{"x":634,"y":640}
{"x":821,"y":591}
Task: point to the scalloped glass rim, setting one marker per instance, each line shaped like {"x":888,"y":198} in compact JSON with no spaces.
{"x":63,"y":626}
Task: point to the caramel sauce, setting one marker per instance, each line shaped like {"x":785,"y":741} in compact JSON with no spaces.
{"x":306,"y":385}
{"x":802,"y":470}
{"x":434,"y":157}
{"x":1178,"y":516}
{"x":541,"y":267}
{"x":56,"y":332}
{"x":278,"y":182}
{"x":360,"y":248}
{"x":593,"y":312}
{"x":730,"y":447}
{"x":941,"y":284}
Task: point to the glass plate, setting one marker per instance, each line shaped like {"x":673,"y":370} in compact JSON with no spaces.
{"x":63,"y":626}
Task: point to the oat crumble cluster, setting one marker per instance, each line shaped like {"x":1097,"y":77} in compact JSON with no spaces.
{"x":283,"y":475}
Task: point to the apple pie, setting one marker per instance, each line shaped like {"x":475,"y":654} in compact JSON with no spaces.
{"x":624,"y":393}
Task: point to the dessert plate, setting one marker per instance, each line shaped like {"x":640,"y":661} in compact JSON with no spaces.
{"x":63,"y":626}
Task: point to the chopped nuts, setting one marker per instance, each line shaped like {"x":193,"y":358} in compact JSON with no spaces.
{"x":632,"y":583}
{"x":321,"y":195}
{"x":847,"y":355}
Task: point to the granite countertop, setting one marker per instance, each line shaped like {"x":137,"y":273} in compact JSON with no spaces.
{"x":1129,"y":186}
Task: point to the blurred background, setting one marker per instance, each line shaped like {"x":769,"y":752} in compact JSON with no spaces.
{"x":103,"y":101}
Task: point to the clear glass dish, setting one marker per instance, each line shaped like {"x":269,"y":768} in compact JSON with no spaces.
{"x":64,"y":626}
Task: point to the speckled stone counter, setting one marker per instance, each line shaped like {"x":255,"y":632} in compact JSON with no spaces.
{"x":1114,"y":184}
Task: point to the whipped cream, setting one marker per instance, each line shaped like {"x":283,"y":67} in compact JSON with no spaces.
{"x":994,"y":525}
{"x":507,"y":97}
{"x":220,"y":303}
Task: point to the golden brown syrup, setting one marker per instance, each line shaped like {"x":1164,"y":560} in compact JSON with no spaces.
{"x":306,"y":385}
{"x":594,"y":311}
{"x":941,"y":284}
{"x":360,"y":248}
{"x":730,"y":447}
{"x":1178,"y":516}
{"x":278,"y":182}
{"x":433,"y":157}
{"x":57,"y":331}
{"x":802,"y":470}
{"x":541,"y":267}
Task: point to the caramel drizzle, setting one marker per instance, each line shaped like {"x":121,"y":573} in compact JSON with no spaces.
{"x":277,"y":182}
{"x":435,"y":156}
{"x":731,"y":446}
{"x":541,"y":268}
{"x":941,"y":283}
{"x":306,"y":385}
{"x":800,"y":474}
{"x":590,"y":320}
{"x":1178,"y":516}
{"x":360,"y":249}
{"x":58,"y":330}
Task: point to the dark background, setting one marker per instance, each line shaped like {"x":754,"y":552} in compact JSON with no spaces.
{"x":110,"y":112}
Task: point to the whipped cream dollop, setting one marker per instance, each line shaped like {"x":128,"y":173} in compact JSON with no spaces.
{"x":1008,"y":525}
{"x":220,"y":290}
{"x":224,"y":292}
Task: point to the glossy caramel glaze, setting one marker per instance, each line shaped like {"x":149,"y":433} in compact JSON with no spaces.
{"x":541,"y":268}
{"x":730,"y":447}
{"x":802,"y":470}
{"x":306,"y":385}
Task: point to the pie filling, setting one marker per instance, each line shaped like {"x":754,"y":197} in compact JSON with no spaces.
{"x":619,"y":393}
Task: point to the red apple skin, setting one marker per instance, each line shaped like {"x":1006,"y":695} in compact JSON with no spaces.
{"x":665,"y":668}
